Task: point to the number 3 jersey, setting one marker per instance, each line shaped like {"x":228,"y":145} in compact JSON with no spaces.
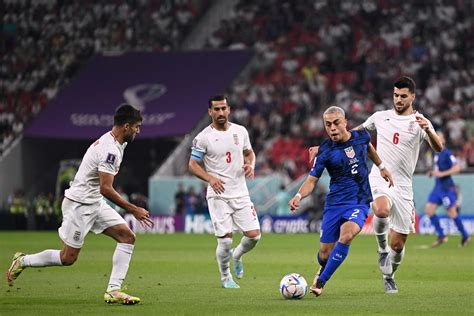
{"x":399,"y":138}
{"x":222,"y":154}
{"x":346,"y":165}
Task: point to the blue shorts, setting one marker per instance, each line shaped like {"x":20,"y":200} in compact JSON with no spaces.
{"x":335,"y":216}
{"x":445,"y":198}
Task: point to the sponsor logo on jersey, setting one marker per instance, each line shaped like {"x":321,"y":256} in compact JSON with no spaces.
{"x":411,"y":126}
{"x":236,"y":139}
{"x":110,"y":158}
{"x":349,"y":152}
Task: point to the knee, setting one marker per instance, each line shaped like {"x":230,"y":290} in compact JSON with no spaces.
{"x":67,"y":260}
{"x":429,"y":210}
{"x":452,"y":213}
{"x":397,"y":246}
{"x":254,"y":234}
{"x":346,"y":238}
{"x":382,"y":212}
{"x":381,"y":209}
{"x":127,"y":237}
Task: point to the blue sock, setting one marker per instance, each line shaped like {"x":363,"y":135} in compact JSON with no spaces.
{"x":321,"y":262}
{"x":435,"y":221}
{"x":457,"y":220}
{"x":337,"y":256}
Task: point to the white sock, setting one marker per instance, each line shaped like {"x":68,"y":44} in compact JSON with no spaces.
{"x":223,"y":256}
{"x":380,"y":225}
{"x":246,"y":244}
{"x":45,"y":258}
{"x":396,"y":258}
{"x":120,"y":262}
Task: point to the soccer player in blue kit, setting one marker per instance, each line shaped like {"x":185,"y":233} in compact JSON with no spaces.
{"x":444,"y":193}
{"x":347,"y":203}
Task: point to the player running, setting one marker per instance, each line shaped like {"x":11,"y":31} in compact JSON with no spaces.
{"x":444,"y":193}
{"x":84,"y":209}
{"x":347,"y":203}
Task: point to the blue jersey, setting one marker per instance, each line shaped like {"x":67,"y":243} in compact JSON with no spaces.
{"x":346,"y":165}
{"x":443,"y":161}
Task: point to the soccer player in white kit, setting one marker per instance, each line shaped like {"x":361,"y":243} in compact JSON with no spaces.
{"x":84,"y":209}
{"x":400,"y":134}
{"x":222,"y":156}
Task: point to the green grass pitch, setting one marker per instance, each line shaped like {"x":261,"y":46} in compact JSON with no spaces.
{"x":177,"y":275}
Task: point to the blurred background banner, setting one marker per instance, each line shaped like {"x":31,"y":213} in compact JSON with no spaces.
{"x":167,"y":87}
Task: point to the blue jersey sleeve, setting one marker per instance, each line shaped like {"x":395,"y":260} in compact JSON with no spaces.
{"x":318,"y":166}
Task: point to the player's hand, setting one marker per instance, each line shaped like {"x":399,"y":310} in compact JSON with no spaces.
{"x":217,"y":185}
{"x":423,"y":123}
{"x":387,"y":176}
{"x":143,"y":216}
{"x":294,"y":203}
{"x":429,"y":174}
{"x":249,"y":171}
{"x":436,"y":174}
{"x":313,"y":151}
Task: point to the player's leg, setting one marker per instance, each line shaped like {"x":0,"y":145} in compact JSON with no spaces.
{"x":430,"y":211}
{"x":453,"y":214}
{"x":74,"y":228}
{"x":353,"y":220}
{"x":110,"y":223}
{"x":402,"y":223}
{"x":222,"y":222}
{"x":245,"y":218}
{"x":46,"y":258}
{"x":449,"y":201}
{"x":381,"y":207}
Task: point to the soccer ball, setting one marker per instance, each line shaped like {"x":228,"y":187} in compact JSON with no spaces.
{"x":293,"y":286}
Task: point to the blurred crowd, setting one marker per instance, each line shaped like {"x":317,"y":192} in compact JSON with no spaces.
{"x":44,"y":42}
{"x":43,"y":211}
{"x":311,"y":54}
{"x":188,"y":202}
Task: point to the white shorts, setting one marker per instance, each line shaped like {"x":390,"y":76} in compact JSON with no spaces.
{"x":228,"y":215}
{"x":79,"y":219}
{"x":402,"y":207}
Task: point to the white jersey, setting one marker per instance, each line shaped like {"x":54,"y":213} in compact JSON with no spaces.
{"x":399,"y":138}
{"x":224,"y":159}
{"x":104,"y":155}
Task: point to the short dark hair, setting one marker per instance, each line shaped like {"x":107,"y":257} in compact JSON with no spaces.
{"x":219,"y":97}
{"x":405,"y":82}
{"x":126,"y":113}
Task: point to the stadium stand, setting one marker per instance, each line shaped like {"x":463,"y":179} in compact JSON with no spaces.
{"x":313,"y":53}
{"x":44,"y":43}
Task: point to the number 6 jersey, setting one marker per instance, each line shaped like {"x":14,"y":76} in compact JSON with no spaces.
{"x":222,"y":154}
{"x":399,"y":138}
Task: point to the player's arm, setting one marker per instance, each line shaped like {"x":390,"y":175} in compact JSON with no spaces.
{"x":196,"y":168}
{"x":249,"y":163}
{"x":433,"y":138}
{"x":374,"y":156}
{"x":359,"y":128}
{"x":306,"y":188}
{"x":440,"y":174}
{"x":106,"y":181}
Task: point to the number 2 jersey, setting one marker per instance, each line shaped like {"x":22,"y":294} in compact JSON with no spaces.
{"x":399,"y":138}
{"x":222,"y":154}
{"x":346,"y":165}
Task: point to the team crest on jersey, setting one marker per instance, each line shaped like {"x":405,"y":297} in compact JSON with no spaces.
{"x":110,"y":158}
{"x":349,"y":152}
{"x":236,"y":139}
